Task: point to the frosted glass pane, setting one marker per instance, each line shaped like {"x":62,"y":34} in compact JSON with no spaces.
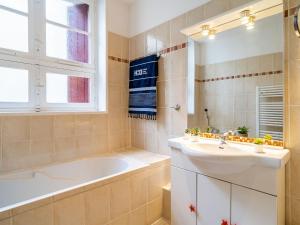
{"x":62,"y":88}
{"x":57,"y":88}
{"x":65,"y":44}
{"x":13,"y":85}
{"x":14,"y":31}
{"x":68,"y":13}
{"x":20,"y":5}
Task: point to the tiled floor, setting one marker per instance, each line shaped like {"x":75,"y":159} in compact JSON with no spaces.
{"x":161,"y":222}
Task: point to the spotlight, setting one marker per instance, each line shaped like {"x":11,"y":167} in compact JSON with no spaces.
{"x":205,"y":30}
{"x":245,"y":16}
{"x":251,"y":23}
{"x":212,"y":34}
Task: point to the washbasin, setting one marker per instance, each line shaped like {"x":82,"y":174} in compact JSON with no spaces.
{"x":231,"y":158}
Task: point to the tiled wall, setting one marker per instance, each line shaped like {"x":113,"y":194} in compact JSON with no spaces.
{"x":228,"y":91}
{"x":153,"y":135}
{"x":292,"y":123}
{"x":129,"y":199}
{"x":27,"y":141}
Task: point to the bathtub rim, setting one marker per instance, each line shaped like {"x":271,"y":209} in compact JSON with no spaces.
{"x":57,"y":195}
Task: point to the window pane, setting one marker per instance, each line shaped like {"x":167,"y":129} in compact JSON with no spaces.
{"x":20,"y":5}
{"x":62,"y":88}
{"x":13,"y":85}
{"x":68,"y":13}
{"x":65,"y":44}
{"x":14,"y":31}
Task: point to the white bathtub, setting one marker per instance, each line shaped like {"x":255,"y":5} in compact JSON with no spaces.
{"x":29,"y":186}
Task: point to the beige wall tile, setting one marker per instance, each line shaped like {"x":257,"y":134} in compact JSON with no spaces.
{"x":120,"y":198}
{"x":70,"y":211}
{"x":162,"y":34}
{"x":195,"y":16}
{"x":139,"y":189}
{"x":41,"y":127}
{"x":83,"y":125}
{"x":64,"y":126}
{"x":15,"y":129}
{"x":5,"y":214}
{"x":215,"y":7}
{"x":151,"y":42}
{"x":6,"y":222}
{"x":154,"y":210}
{"x":138,"y":216}
{"x":97,"y":206}
{"x":115,"y":42}
{"x":65,"y":148}
{"x":176,"y":25}
{"x":158,"y":178}
{"x":122,"y":220}
{"x":39,"y":216}
{"x":140,"y":47}
{"x":295,"y":211}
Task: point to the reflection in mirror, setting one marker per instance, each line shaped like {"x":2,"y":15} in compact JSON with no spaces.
{"x":239,"y":80}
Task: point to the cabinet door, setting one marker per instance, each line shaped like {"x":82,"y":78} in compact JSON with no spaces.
{"x":252,"y":207}
{"x":183,"y":197}
{"x":213,"y":201}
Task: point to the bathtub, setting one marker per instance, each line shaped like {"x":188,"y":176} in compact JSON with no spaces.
{"x":25,"y":187}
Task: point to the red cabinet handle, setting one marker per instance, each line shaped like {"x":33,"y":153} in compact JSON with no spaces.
{"x":224,"y":222}
{"x":192,"y":208}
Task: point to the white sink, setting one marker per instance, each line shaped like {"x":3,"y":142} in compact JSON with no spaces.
{"x":234,"y":158}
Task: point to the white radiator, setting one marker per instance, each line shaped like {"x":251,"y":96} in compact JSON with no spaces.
{"x":269,"y":111}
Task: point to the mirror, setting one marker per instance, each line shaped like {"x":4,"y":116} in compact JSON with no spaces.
{"x":238,"y":79}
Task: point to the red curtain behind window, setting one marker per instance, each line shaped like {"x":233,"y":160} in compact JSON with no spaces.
{"x":78,"y":87}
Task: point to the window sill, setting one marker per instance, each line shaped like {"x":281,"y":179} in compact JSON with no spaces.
{"x":51,"y":113}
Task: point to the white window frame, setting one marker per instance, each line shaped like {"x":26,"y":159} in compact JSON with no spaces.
{"x":39,"y":63}
{"x":32,"y":74}
{"x":45,"y":106}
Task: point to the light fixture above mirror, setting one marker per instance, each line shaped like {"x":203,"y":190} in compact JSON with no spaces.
{"x":246,"y":15}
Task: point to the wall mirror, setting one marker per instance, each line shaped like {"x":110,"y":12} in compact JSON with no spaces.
{"x":235,"y":72}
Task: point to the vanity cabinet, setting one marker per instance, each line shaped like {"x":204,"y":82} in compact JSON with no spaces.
{"x":212,"y":187}
{"x":250,"y":207}
{"x":183,"y":197}
{"x":213,"y":201}
{"x":201,"y":200}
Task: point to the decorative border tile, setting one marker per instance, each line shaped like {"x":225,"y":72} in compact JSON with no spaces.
{"x":290,"y":12}
{"x":168,"y":50}
{"x":239,"y":76}
{"x":118,"y":59}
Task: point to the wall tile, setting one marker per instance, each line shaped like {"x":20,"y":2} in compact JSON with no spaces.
{"x":120,"y":198}
{"x":6,"y":222}
{"x":176,"y":25}
{"x":122,"y":220}
{"x":15,"y":129}
{"x":41,"y":127}
{"x":39,"y":216}
{"x":64,"y":126}
{"x":154,"y":210}
{"x":162,"y":34}
{"x":139,"y":189}
{"x":70,"y":211}
{"x":138,"y":216}
{"x":150,"y":42}
{"x":97,"y":206}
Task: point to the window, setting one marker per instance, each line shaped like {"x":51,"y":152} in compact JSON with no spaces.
{"x":46,"y":55}
{"x":14,"y":34}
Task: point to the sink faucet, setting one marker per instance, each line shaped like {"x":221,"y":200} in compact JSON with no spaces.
{"x":223,"y":139}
